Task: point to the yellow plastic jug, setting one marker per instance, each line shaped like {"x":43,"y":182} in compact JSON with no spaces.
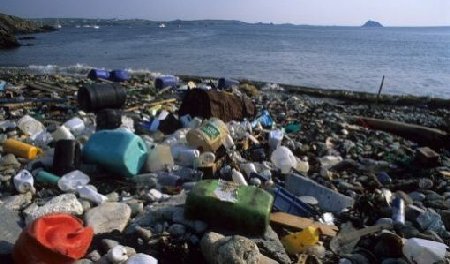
{"x":21,"y":149}
{"x":297,"y":242}
{"x":209,"y":137}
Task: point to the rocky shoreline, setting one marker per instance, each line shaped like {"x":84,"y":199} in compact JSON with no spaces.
{"x":340,"y":151}
{"x":10,"y":26}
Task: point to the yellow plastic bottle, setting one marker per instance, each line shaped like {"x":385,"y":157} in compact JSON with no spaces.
{"x":297,"y":242}
{"x":21,"y":149}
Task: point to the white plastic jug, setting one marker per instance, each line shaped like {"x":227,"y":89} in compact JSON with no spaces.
{"x":284,"y":159}
{"x":159,"y":158}
{"x":30,"y":126}
{"x":23,"y":181}
{"x":75,"y":125}
{"x":62,"y":132}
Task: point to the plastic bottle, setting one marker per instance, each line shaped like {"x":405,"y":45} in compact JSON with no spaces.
{"x":206,"y":159}
{"x":46,"y":177}
{"x":159,"y":158}
{"x":209,"y":137}
{"x":248,"y":168}
{"x":23,"y":181}
{"x":422,"y":251}
{"x":398,"y":210}
{"x":75,"y":125}
{"x":62,"y":132}
{"x":21,"y":149}
{"x":70,"y":181}
{"x":264,"y":119}
{"x":284,"y":159}
{"x":238,"y":178}
{"x":187,"y":157}
{"x":228,"y":143}
{"x":30,"y":126}
{"x":141,"y":259}
{"x":90,"y":193}
{"x":275,"y":138}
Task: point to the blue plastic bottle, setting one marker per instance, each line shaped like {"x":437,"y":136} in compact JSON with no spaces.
{"x":118,"y":150}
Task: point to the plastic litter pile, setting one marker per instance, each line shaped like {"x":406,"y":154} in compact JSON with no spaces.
{"x":120,"y":168}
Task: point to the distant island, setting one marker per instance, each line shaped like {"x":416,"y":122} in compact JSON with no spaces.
{"x":372,"y":24}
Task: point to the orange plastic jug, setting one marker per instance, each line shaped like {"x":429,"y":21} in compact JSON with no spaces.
{"x":51,"y":239}
{"x":21,"y":149}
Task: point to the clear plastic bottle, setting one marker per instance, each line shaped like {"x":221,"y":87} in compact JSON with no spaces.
{"x":275,"y":138}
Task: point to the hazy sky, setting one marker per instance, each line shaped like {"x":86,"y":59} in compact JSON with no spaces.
{"x":313,"y":12}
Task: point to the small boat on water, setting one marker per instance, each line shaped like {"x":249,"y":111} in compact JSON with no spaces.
{"x":96,"y":26}
{"x":57,"y":24}
{"x":162,"y":25}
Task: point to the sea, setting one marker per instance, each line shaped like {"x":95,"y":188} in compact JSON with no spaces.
{"x":414,"y":61}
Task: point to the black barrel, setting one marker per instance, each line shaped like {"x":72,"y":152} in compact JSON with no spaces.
{"x":67,"y":156}
{"x":99,"y":96}
{"x":109,"y":119}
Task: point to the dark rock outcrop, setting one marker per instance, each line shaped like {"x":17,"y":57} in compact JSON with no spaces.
{"x":7,"y":40}
{"x":12,"y":25}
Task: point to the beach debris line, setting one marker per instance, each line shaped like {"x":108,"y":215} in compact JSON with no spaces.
{"x":182,"y":170}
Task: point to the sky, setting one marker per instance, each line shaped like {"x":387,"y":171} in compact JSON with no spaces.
{"x":310,"y":12}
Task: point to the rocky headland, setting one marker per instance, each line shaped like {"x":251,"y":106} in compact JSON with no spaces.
{"x":10,"y":26}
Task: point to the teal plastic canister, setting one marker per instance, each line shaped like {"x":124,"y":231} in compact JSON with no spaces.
{"x":118,"y":151}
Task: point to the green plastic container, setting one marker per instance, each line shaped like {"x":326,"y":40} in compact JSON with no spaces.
{"x":249,"y":214}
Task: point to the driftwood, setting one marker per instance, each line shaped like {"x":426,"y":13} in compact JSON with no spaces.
{"x":426,"y":136}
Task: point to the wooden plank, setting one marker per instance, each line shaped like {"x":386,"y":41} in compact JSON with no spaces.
{"x":297,"y":222}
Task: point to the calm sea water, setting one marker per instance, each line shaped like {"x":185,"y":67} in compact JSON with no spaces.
{"x":414,"y":60}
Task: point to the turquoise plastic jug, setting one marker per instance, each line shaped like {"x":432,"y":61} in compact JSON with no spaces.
{"x":118,"y":150}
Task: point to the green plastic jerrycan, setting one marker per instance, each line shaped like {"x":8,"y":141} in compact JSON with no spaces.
{"x":244,"y":209}
{"x":118,"y":150}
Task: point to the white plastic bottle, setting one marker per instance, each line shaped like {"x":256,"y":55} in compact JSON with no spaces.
{"x":238,"y":178}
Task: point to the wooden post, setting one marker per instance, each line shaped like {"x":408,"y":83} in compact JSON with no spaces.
{"x":379,"y":90}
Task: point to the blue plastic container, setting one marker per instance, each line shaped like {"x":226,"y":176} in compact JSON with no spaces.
{"x":166,"y":81}
{"x":95,"y":74}
{"x":117,"y":150}
{"x":285,"y":201}
{"x":225,"y":83}
{"x":264,"y":119}
{"x":119,"y":76}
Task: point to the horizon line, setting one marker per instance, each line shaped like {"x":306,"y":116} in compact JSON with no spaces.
{"x":235,"y":20}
